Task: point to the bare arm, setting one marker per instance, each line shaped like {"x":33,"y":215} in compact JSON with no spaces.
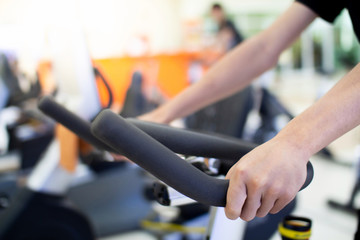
{"x":332,"y":116}
{"x":269,"y":177}
{"x":239,"y":67}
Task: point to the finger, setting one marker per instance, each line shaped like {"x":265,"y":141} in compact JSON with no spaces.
{"x":256,"y":187}
{"x":282,"y":202}
{"x":267,"y":203}
{"x":236,"y":197}
{"x":251,"y":206}
{"x":229,"y":173}
{"x":268,"y":200}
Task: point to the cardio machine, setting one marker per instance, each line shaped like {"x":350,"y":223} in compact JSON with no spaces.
{"x":156,"y":154}
{"x":169,"y":168}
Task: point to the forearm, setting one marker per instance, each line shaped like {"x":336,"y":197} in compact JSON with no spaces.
{"x":333,"y":115}
{"x":228,"y":76}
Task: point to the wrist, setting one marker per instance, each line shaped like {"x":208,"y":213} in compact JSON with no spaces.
{"x":159,"y":115}
{"x":294,"y":142}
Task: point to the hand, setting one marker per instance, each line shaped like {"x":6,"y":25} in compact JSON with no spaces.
{"x":265,"y":180}
{"x":153,"y":116}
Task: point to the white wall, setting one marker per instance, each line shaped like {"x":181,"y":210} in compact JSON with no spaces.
{"x":109,"y":25}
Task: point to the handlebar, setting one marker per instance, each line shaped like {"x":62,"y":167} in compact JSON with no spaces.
{"x":74,"y":123}
{"x":124,"y":137}
{"x":178,"y":140}
{"x":195,"y":143}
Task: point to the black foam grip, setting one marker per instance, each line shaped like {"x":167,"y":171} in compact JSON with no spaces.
{"x":178,"y":140}
{"x":70,"y":120}
{"x":195,"y":143}
{"x":160,"y":161}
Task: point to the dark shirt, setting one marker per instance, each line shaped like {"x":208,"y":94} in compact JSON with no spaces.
{"x":330,"y":9}
{"x":237,"y":37}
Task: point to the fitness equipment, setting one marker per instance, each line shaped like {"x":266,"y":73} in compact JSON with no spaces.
{"x":125,"y":138}
{"x":4,"y":93}
{"x":100,"y":75}
{"x":181,"y":141}
{"x":10,"y":79}
{"x":215,"y":118}
{"x":11,"y":95}
{"x":135,"y":102}
{"x":41,"y":210}
{"x":91,"y":221}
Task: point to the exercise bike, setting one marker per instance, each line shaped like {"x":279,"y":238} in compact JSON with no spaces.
{"x":174,"y":170}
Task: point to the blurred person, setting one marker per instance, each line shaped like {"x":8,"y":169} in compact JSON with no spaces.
{"x":226,"y":38}
{"x":227,"y":35}
{"x":213,"y":118}
{"x":266,"y":179}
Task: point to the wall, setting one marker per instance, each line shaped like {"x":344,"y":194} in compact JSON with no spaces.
{"x":116,"y":28}
{"x":112,"y":25}
{"x":109,"y":25}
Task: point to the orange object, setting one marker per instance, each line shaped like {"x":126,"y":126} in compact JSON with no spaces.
{"x":168,"y":72}
{"x":69,"y":148}
{"x":46,"y":78}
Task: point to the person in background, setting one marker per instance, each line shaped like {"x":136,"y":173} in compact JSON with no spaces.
{"x":227,"y":36}
{"x":266,"y":179}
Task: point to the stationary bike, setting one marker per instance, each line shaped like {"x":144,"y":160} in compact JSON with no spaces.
{"x":123,"y":137}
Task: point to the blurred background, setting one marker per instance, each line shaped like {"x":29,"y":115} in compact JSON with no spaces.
{"x":135,"y":55}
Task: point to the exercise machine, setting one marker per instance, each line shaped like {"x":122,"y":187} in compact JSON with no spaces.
{"x":174,"y":170}
{"x":121,"y":135}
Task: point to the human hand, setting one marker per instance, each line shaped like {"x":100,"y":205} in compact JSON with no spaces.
{"x":265,"y":180}
{"x":153,"y":116}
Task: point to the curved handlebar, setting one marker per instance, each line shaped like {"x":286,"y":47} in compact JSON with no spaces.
{"x":71,"y":121}
{"x":178,"y":140}
{"x":157,"y":159}
{"x":195,"y":143}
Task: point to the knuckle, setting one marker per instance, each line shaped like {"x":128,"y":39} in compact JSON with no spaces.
{"x":288,"y":195}
{"x":274,"y":190}
{"x":258,"y":183}
{"x":241,"y":172}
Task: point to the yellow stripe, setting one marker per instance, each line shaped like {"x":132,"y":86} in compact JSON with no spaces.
{"x":171,"y":227}
{"x":294,"y":234}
